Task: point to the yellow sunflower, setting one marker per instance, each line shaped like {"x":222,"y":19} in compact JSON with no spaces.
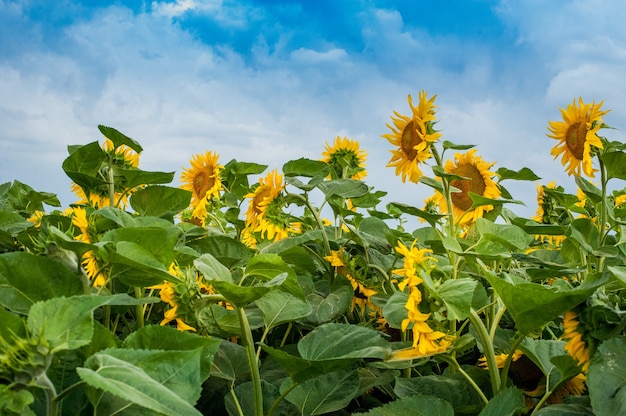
{"x":362,"y":293}
{"x":89,"y":261}
{"x":577,"y":133}
{"x":544,"y":202}
{"x":265,"y":209}
{"x":413,"y":257}
{"x":123,"y":157}
{"x":203,"y":180}
{"x":576,"y":346}
{"x":345,"y":159}
{"x":476,"y":179}
{"x":413,"y":136}
{"x":425,"y":339}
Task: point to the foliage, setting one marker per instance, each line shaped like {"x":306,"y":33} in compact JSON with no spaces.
{"x":302,"y":294}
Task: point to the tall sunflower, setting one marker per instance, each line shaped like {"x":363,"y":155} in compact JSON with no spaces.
{"x":123,"y":157}
{"x":345,"y":158}
{"x":203,"y":180}
{"x":413,"y":136}
{"x":476,"y":178}
{"x":265,"y":209}
{"x":89,"y":262}
{"x":577,"y":134}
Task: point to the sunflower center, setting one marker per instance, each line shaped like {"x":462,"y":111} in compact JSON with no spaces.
{"x":475,"y":183}
{"x":202,"y":182}
{"x":410,"y":139}
{"x":575,"y":138}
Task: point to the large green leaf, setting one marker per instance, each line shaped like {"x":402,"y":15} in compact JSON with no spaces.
{"x":269,"y":266}
{"x":133,"y":384}
{"x":159,"y":241}
{"x":133,"y":177}
{"x":532,"y":305}
{"x":508,"y":235}
{"x":338,"y":341}
{"x":67,"y":323}
{"x":119,"y":138}
{"x":212,"y":269}
{"x":565,"y":410}
{"x":83,"y":165}
{"x":459,"y":295}
{"x":136,"y":266}
{"x":615,"y":163}
{"x":453,"y":388}
{"x":280,"y":307}
{"x":413,"y":406}
{"x":166,"y":338}
{"x":523,"y":174}
{"x":344,"y":188}
{"x":306,"y":167}
{"x":160,"y":201}
{"x":550,"y":356}
{"x":26,"y":278}
{"x":606,"y":378}
{"x":327,"y":307}
{"x":509,"y":402}
{"x":225,"y":249}
{"x":326,"y":393}
{"x":395,"y":310}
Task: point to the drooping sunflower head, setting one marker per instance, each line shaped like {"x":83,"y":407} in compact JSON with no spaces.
{"x":415,"y":259}
{"x":345,"y":158}
{"x":87,"y":234}
{"x":574,"y":332}
{"x":203,"y":180}
{"x":578,"y":136}
{"x":475,"y":177}
{"x":265,"y":213}
{"x":123,"y":157}
{"x":412,"y":137}
{"x":544,"y":203}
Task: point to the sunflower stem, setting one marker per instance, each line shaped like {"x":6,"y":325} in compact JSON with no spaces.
{"x":139,"y":308}
{"x":248,"y":342}
{"x":452,"y":360}
{"x":504,"y":374}
{"x":479,"y":326}
{"x":111,"y":182}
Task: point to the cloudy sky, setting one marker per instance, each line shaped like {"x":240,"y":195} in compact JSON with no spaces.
{"x":269,"y":81}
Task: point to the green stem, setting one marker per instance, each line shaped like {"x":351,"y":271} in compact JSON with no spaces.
{"x":496,"y":322}
{"x":111,"y":182}
{"x":236,"y":401}
{"x":541,"y":402}
{"x":67,"y":391}
{"x":248,"y":342}
{"x":280,"y":398}
{"x":504,"y":374}
{"x":139,"y":308}
{"x":488,"y":350}
{"x":452,"y":360}
{"x":51,"y":394}
{"x":384,"y":275}
{"x":317,"y":218}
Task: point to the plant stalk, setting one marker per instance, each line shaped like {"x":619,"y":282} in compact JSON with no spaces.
{"x":248,"y":342}
{"x":479,"y":326}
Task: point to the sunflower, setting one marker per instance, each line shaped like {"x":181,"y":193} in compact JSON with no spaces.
{"x":265,"y":209}
{"x":203,"y":180}
{"x":345,"y":159}
{"x":545,"y":215}
{"x":577,"y":133}
{"x":89,"y":261}
{"x":123,"y":157}
{"x":413,"y":257}
{"x":576,"y":346}
{"x":476,"y":178}
{"x":425,"y":339}
{"x":413,"y":136}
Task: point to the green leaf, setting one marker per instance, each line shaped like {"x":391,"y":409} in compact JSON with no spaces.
{"x":160,"y":201}
{"x":15,"y":402}
{"x":458,"y":295}
{"x":508,"y":235}
{"x":26,"y":279}
{"x":12,"y":326}
{"x":83,"y":165}
{"x":158,"y":241}
{"x":452,"y":388}
{"x":344,"y":188}
{"x":432,"y":219}
{"x":606,"y":378}
{"x":157,"y":337}
{"x":532,"y":305}
{"x":268,"y":266}
{"x":615,"y":163}
{"x":565,"y":410}
{"x":13,"y":223}
{"x":590,"y":190}
{"x":119,"y":139}
{"x":67,"y":323}
{"x":395,"y":310}
{"x":328,"y":307}
{"x":280,"y":307}
{"x":133,"y":177}
{"x":523,"y":174}
{"x":413,"y":406}
{"x":226,"y":250}
{"x":136,"y":266}
{"x":449,"y":145}
{"x":324,"y":394}
{"x":435,"y":184}
{"x":241,"y":295}
{"x":285,"y":244}
{"x":550,"y":356}
{"x":479,"y":201}
{"x":306,"y":167}
{"x":131,"y":383}
{"x":509,"y":402}
{"x":212,"y":269}
{"x":338,"y":341}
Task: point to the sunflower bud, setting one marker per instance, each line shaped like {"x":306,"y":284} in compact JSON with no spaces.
{"x":24,"y":360}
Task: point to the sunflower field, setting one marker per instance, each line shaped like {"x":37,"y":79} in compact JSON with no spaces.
{"x":298,"y":291}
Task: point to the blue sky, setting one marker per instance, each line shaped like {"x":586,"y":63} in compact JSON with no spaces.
{"x":272,"y":81}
